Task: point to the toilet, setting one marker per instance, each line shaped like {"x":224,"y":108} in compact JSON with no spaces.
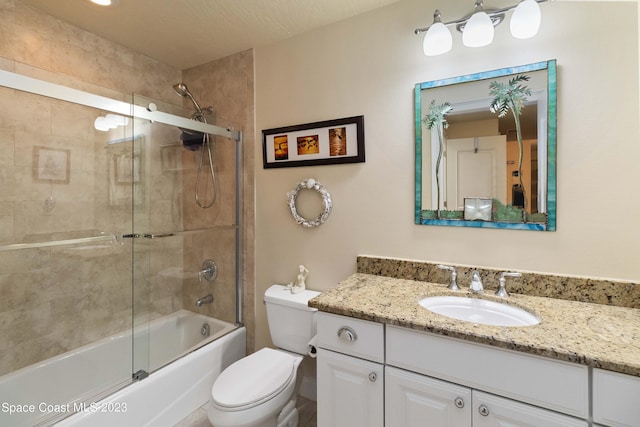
{"x":260,"y":389}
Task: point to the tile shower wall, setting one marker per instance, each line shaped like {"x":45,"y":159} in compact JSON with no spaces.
{"x":56,"y":299}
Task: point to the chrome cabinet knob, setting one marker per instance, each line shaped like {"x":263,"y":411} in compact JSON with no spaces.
{"x":459,"y":402}
{"x":484,"y":411}
{"x":347,"y":334}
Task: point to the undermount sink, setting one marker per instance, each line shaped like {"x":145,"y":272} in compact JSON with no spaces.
{"x":478,"y":310}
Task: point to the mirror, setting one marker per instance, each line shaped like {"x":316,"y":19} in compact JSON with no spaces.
{"x":486,"y":149}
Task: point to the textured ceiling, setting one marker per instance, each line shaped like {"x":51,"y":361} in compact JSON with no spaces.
{"x":186,"y":33}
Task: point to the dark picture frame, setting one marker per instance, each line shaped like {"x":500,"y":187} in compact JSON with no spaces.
{"x":320,"y":143}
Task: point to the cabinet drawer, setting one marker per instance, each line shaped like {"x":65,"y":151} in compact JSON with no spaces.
{"x":616,"y":399}
{"x":490,"y":411}
{"x":552,"y":384}
{"x":350,"y":336}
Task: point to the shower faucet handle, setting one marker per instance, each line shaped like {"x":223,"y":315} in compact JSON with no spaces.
{"x":209,"y":271}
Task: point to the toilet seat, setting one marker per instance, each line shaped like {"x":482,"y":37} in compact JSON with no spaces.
{"x":236,"y":388}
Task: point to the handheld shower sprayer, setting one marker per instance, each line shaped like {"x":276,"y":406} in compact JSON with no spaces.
{"x":189,"y":138}
{"x":182,"y":90}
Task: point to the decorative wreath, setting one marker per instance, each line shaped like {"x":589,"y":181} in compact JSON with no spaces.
{"x":310,"y":184}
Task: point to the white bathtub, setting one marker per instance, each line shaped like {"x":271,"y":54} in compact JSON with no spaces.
{"x":61,"y":386}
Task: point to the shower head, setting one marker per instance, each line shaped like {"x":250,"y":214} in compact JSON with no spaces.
{"x":182,"y":90}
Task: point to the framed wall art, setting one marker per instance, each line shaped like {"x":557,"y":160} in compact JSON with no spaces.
{"x":320,"y":143}
{"x":51,"y":164}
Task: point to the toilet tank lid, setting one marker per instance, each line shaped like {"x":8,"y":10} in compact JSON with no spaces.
{"x":279,"y":294}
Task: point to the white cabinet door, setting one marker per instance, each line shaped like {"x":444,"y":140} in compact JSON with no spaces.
{"x":350,"y":391}
{"x":413,"y":400}
{"x":492,"y":411}
{"x":616,"y":399}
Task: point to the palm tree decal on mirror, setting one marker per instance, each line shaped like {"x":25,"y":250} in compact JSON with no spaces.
{"x":435,"y":117}
{"x":512,"y":97}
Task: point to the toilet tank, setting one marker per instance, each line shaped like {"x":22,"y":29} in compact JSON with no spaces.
{"x":291,"y":322}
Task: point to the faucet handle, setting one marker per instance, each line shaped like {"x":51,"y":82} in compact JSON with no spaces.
{"x":502,"y":282}
{"x":209,"y":271}
{"x":453,"y":285}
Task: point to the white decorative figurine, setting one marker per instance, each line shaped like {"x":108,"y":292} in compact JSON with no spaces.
{"x":299,"y":284}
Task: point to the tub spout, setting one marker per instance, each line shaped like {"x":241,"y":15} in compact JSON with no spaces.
{"x":204,"y":300}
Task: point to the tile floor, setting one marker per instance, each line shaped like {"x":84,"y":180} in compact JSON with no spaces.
{"x":306,"y":411}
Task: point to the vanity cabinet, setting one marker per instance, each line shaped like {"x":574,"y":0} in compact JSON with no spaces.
{"x":372,"y":375}
{"x":350,"y":372}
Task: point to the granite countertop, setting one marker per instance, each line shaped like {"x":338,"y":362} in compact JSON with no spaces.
{"x":596,"y":335}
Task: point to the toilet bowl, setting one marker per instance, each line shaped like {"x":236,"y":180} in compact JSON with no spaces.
{"x":260,"y":390}
{"x":253,"y":391}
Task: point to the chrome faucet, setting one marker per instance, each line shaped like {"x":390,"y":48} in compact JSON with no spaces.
{"x":476,"y":283}
{"x":209,"y":271}
{"x":204,"y":300}
{"x":453,"y":285}
{"x":502,"y":281}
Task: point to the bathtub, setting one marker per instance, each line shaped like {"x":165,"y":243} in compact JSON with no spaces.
{"x":63,"y":389}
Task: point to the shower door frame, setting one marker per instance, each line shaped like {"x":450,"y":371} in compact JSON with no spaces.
{"x":35,"y":86}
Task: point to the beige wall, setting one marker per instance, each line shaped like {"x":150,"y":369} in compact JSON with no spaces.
{"x":369,"y":65}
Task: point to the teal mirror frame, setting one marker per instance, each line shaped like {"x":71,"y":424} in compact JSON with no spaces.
{"x":550,"y":225}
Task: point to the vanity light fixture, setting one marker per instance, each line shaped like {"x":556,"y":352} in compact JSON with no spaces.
{"x":477,"y":28}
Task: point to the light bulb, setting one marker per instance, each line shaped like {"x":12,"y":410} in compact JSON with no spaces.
{"x":525,"y":20}
{"x":478,"y":31}
{"x":438,"y":40}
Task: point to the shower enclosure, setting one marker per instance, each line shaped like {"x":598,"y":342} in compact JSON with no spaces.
{"x":101,"y":236}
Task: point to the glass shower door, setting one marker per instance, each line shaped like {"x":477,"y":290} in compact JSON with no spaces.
{"x":176,"y":235}
{"x":65,"y":270}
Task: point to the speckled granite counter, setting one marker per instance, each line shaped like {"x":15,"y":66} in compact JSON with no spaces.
{"x":601,"y":336}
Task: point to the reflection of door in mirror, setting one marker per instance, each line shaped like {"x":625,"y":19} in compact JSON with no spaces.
{"x":475,"y":167}
{"x":529,"y":172}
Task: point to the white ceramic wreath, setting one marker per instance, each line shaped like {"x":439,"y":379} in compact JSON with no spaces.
{"x":310,"y":184}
